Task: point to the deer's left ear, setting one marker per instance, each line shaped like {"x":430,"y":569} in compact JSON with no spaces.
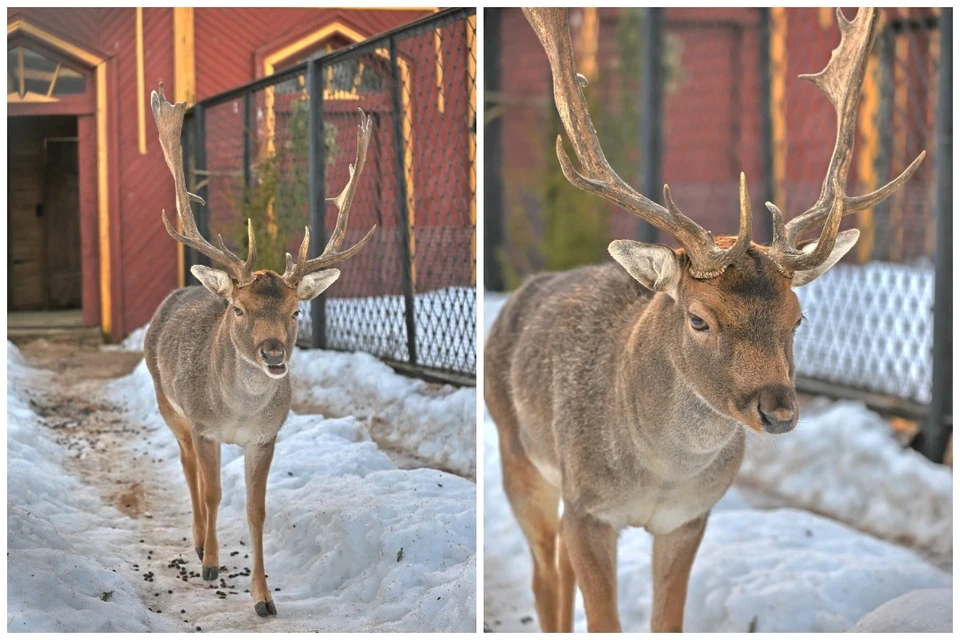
{"x":313,"y":284}
{"x":845,"y":242}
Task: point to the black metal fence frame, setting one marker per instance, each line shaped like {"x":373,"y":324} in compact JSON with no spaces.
{"x":194,"y":147}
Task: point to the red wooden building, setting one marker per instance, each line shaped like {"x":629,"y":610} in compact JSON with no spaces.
{"x":86,"y":177}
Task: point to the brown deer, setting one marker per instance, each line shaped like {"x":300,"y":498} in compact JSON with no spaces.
{"x":625,"y":390}
{"x":219,"y":354}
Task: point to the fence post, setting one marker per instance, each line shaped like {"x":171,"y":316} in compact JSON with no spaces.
{"x":247,"y":140}
{"x":493,"y":196}
{"x":766,"y":123}
{"x":936,"y":432}
{"x":317,"y":195}
{"x":402,"y":208}
{"x":200,"y":166}
{"x":651,"y":127}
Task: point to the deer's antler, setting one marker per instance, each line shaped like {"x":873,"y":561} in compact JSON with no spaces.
{"x":841,"y":82}
{"x":331,"y":253}
{"x":169,"y":119}
{"x":706,"y":259}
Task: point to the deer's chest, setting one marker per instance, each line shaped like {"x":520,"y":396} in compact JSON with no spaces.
{"x":659,"y":509}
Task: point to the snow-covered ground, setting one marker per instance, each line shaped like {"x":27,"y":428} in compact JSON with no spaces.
{"x":778,"y":568}
{"x":351,"y":542}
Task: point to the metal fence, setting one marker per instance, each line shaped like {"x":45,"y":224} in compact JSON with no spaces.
{"x":274,"y":150}
{"x":712,"y":92}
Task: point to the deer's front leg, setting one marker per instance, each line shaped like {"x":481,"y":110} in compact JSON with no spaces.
{"x":208,"y":459}
{"x":673,"y":555}
{"x":592,"y":548}
{"x":257,"y":459}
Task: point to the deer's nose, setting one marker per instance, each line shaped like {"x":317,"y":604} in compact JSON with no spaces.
{"x":272,"y":352}
{"x":776,"y":408}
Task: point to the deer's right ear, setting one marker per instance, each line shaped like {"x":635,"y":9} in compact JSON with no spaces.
{"x":654,"y":266}
{"x":313,"y":284}
{"x":216,"y":282}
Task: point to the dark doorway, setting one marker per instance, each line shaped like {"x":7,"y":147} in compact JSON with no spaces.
{"x":44,"y":268}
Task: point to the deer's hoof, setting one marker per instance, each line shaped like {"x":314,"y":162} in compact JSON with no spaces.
{"x":199,"y":553}
{"x":211,"y":573}
{"x":266,"y":608}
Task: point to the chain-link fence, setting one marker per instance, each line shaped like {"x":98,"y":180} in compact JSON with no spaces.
{"x":692,"y":97}
{"x":275,"y":150}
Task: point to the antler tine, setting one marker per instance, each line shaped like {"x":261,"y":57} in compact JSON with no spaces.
{"x":169,"y":119}
{"x":706,"y":259}
{"x":841,"y":82}
{"x":331,"y":253}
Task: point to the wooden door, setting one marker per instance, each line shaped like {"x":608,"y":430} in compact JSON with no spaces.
{"x":61,"y":221}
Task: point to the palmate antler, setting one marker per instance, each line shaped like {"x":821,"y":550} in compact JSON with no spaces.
{"x":840,"y":81}
{"x":331,"y":253}
{"x":169,"y":118}
{"x":706,"y":259}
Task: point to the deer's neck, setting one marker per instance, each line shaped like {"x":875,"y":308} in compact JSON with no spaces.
{"x":242,"y":383}
{"x":654,"y":395}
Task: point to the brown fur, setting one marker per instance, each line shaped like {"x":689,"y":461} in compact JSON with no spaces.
{"x":604,"y":395}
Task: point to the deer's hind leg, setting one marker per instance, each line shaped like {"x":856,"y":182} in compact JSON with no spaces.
{"x":191,"y":471}
{"x":535,"y":504}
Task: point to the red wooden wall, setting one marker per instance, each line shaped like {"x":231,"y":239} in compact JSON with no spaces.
{"x":141,"y":185}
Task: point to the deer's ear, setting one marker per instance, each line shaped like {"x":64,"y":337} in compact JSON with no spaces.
{"x":845,"y":242}
{"x":216,"y":282}
{"x":654,"y":266}
{"x":313,"y":284}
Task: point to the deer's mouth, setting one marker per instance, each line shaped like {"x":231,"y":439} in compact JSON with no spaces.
{"x":276,"y":370}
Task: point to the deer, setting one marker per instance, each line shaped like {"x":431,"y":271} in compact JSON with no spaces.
{"x":219,"y":353}
{"x":626,"y":389}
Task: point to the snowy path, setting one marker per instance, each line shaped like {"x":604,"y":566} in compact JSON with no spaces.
{"x":351,"y":541}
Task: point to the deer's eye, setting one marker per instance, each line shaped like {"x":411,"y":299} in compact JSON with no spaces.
{"x":296,"y":314}
{"x":698,"y":323}
{"x":238,"y":311}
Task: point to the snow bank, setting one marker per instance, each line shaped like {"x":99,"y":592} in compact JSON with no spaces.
{"x":921,"y":611}
{"x":780,"y":570}
{"x":435,"y":422}
{"x":60,"y":537}
{"x":355,"y":543}
{"x":842,"y":461}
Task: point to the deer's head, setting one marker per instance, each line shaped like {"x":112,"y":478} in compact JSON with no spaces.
{"x":261,"y":307}
{"x":728,"y":305}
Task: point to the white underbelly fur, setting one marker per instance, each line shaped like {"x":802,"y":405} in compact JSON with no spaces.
{"x":656,"y":512}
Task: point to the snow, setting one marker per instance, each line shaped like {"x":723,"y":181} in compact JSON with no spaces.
{"x":436,"y":423}
{"x":355,"y":543}
{"x":920,"y":611}
{"x":841,"y":461}
{"x":58,"y":580}
{"x":781,"y":569}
